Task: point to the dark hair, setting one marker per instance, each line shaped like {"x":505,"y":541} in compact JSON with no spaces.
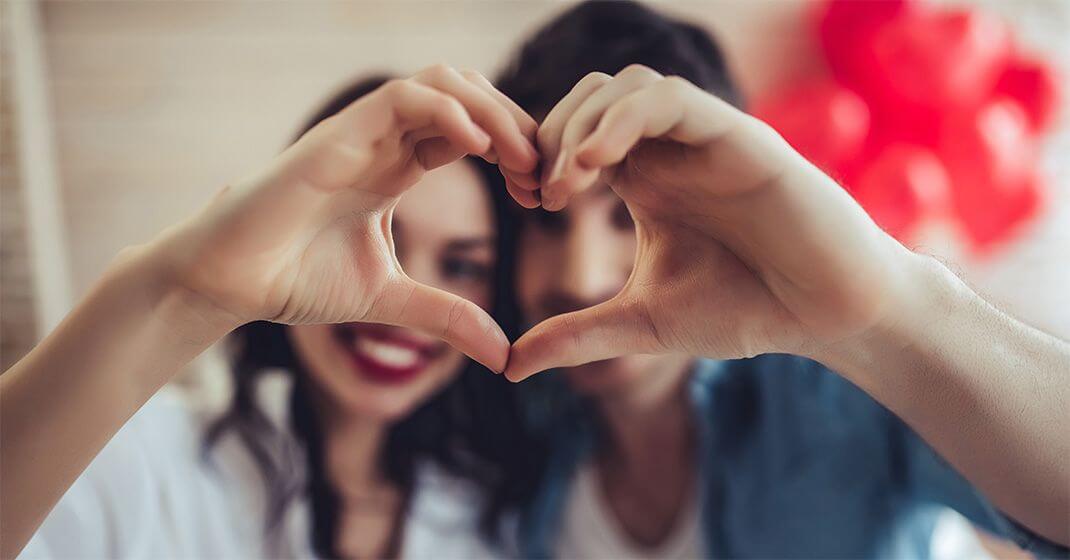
{"x":471,"y":428}
{"x":607,"y":37}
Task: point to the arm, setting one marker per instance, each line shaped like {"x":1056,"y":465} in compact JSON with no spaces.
{"x":988,"y":392}
{"x":746,"y":248}
{"x":63,"y":402}
{"x":307,"y":240}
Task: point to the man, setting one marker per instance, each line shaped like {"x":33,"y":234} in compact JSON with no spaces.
{"x":740,"y":248}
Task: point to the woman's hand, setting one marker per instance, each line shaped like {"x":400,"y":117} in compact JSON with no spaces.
{"x":308,"y":239}
{"x":743,"y":246}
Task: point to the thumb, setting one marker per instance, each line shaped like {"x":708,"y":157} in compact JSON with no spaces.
{"x":607,"y":330}
{"x":461,"y":323}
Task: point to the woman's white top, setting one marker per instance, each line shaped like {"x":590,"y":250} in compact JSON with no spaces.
{"x":591,"y":529}
{"x":153,"y":492}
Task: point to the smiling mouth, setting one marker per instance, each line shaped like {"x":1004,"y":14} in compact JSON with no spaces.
{"x":384,"y":354}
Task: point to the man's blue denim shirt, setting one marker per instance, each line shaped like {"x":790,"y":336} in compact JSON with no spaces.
{"x":795,"y":462}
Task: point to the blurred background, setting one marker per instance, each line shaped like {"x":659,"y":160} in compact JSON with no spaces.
{"x":119,"y":118}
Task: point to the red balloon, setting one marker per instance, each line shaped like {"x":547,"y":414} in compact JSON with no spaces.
{"x":953,"y":116}
{"x":942,"y":60}
{"x":1034,"y":85}
{"x":991,"y":157}
{"x":844,"y":26}
{"x":988,"y":148}
{"x":903,"y":186}
{"x":993,"y":216}
{"x":824,"y":121}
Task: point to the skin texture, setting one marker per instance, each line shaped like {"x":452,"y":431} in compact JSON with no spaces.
{"x":444,"y":237}
{"x":306,"y":240}
{"x":743,"y":248}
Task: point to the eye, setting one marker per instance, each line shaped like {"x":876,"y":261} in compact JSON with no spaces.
{"x":622,"y":217}
{"x":550,"y":222}
{"x":457,"y":267}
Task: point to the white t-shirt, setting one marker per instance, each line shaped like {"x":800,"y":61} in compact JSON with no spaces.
{"x":151,"y":493}
{"x":591,"y":530}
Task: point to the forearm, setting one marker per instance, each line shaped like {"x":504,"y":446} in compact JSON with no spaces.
{"x":987,"y":392}
{"x":65,"y":400}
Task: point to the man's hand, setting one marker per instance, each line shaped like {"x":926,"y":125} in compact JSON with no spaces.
{"x":743,"y":246}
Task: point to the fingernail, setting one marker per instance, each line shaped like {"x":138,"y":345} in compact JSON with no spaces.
{"x":524,"y":181}
{"x":559,"y":167}
{"x":516,"y":378}
{"x":484,"y":138}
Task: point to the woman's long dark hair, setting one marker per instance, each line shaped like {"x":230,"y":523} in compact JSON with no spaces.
{"x":472,"y":428}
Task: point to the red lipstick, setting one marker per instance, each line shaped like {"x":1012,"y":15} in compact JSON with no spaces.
{"x":387,"y":354}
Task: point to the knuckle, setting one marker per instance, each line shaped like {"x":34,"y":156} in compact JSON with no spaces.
{"x":639,"y":72}
{"x":594,"y":78}
{"x":676,"y":85}
{"x":396,"y":88}
{"x":472,"y":75}
{"x":444,"y":102}
{"x":437,"y":72}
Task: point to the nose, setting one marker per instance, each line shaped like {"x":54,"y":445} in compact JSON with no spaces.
{"x":591,"y":267}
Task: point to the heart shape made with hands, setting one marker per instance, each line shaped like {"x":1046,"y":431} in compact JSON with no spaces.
{"x":737,"y":254}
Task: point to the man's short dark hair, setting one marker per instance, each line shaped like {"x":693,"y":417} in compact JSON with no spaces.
{"x":607,"y":37}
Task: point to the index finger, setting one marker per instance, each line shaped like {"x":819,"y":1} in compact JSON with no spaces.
{"x":528,"y":127}
{"x":549,"y":134}
{"x":513,"y":148}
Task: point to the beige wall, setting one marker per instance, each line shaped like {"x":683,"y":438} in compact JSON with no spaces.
{"x":17,"y":323}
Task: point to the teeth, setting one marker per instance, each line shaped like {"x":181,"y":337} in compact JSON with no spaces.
{"x":390,"y":355}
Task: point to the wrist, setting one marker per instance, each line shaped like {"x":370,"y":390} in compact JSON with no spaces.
{"x":921,"y":305}
{"x":157,"y":282}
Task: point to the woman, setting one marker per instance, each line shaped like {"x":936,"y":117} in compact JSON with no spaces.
{"x":381,"y":423}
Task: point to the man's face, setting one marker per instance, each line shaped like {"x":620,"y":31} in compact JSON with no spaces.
{"x":576,"y":258}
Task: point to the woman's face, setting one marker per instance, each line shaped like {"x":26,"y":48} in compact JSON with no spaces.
{"x":444,"y":236}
